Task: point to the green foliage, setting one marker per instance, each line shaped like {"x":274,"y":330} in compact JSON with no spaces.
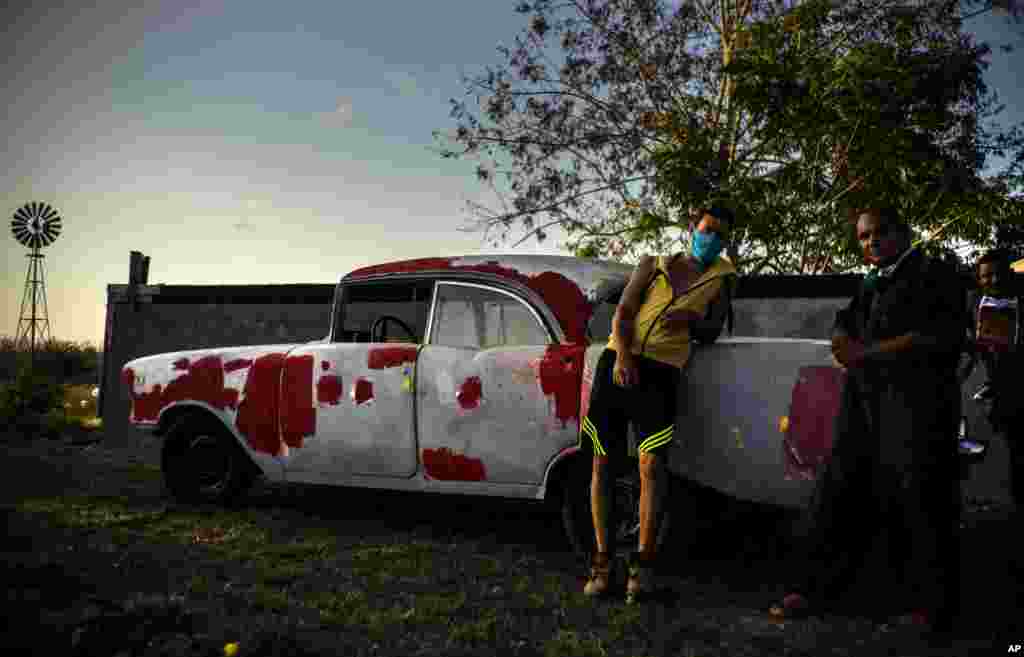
{"x":33,"y":403}
{"x":615,"y":119}
{"x":59,"y":358}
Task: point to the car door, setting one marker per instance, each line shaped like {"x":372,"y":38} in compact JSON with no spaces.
{"x":496,"y":398}
{"x":360,"y":391}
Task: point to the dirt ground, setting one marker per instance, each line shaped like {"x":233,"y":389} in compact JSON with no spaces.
{"x":466,"y":576}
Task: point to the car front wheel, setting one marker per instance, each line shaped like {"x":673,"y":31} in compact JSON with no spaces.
{"x":201,"y":463}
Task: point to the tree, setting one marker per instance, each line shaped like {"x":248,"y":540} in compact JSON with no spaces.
{"x":614,"y":119}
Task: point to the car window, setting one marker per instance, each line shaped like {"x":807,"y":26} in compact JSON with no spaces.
{"x":475,"y":317}
{"x":365,"y":303}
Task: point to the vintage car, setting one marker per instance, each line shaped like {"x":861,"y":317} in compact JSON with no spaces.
{"x":470,"y":375}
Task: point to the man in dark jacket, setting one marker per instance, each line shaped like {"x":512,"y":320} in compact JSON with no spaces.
{"x":894,"y":457}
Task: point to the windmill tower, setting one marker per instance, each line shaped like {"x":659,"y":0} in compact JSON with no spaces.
{"x":35,"y":225}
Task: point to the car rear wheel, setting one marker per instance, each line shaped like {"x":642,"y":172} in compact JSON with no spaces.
{"x":202,"y":464}
{"x":624,"y":519}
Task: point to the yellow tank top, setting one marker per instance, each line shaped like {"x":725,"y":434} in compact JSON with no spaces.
{"x":663,"y":345}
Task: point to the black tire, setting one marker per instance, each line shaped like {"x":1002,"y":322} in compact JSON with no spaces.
{"x":625,"y":516}
{"x":202,"y":464}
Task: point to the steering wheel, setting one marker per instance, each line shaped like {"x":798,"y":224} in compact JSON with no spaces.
{"x":382,"y":323}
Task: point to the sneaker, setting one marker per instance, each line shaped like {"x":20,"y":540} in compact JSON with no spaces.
{"x":641,"y":577}
{"x":984,"y":393}
{"x":600,"y":575}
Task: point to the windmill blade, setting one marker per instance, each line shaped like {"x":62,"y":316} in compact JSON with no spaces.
{"x":36,"y":224}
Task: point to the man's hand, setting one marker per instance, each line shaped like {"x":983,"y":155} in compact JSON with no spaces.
{"x":678,"y":320}
{"x":848,"y":351}
{"x":625,"y":374}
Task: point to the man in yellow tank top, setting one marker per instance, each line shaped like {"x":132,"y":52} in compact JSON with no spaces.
{"x":637,"y":379}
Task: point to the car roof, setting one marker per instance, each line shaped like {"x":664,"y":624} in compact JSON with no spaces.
{"x":568,"y":285}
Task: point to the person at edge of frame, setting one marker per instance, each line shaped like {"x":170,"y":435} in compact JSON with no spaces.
{"x":1005,"y":403}
{"x":636,"y":380}
{"x":893,"y":466}
{"x":993,"y":274}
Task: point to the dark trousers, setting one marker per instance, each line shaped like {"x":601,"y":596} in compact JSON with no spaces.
{"x":860,"y":496}
{"x":1007,"y":415}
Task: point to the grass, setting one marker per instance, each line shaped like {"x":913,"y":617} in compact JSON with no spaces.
{"x":269,"y":598}
{"x":482,"y":630}
{"x":623,"y":620}
{"x":414,"y":559}
{"x":89,"y":512}
{"x":141,"y":472}
{"x":570,"y":644}
{"x":279,"y":562}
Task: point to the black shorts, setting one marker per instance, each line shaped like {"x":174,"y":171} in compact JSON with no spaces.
{"x":649,"y":405}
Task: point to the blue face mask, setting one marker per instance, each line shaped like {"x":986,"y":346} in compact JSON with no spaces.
{"x":706,"y":247}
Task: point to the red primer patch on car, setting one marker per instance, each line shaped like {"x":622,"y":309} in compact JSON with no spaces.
{"x":362,"y":391}
{"x":469,"y":393}
{"x":180,"y":364}
{"x":381,"y":358}
{"x":128,"y":377}
{"x":813,"y":406}
{"x":420,"y":264}
{"x":237,"y":364}
{"x":560,"y":373}
{"x":566,"y":301}
{"x":329,"y":389}
{"x":445,"y":465}
{"x":146,"y":406}
{"x":258,"y":413}
{"x":203,"y":381}
{"x":298,"y":415}
{"x":324,"y":365}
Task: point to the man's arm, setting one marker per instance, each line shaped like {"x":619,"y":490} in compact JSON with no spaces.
{"x":847,"y":349}
{"x":625,"y":373}
{"x":942,"y":324}
{"x":623,"y":321}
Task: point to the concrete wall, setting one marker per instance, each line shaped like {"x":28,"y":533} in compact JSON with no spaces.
{"x":143,"y":320}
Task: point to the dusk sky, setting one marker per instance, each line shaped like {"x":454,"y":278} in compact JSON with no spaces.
{"x":252,"y":142}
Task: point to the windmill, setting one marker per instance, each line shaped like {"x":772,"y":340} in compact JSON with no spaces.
{"x":35,"y":225}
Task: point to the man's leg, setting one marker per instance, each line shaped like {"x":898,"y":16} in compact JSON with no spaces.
{"x":600,"y":485}
{"x":606,"y":428}
{"x":651,"y":486}
{"x":600,"y":503}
